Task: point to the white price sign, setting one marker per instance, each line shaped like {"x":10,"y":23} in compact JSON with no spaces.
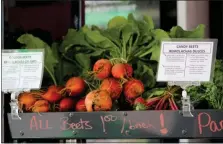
{"x":22,"y":69}
{"x":186,"y":61}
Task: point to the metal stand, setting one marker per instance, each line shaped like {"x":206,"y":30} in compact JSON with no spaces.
{"x":14,"y":106}
{"x":186,"y":107}
{"x":186,"y":104}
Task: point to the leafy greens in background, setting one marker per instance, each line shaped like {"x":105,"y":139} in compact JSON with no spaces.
{"x":125,"y":40}
{"x":211,"y":91}
{"x":50,"y":61}
{"x":178,"y":32}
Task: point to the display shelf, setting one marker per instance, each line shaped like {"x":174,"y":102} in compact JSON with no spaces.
{"x":118,"y":125}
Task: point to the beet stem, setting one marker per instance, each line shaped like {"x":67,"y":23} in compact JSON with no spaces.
{"x":163,"y":102}
{"x":157,"y":106}
{"x":165,"y":106}
{"x":152,"y":101}
{"x":174,"y":104}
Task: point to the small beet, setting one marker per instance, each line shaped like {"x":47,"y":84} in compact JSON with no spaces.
{"x":122,"y":70}
{"x":26,"y":100}
{"x":80,"y":106}
{"x":98,"y":100}
{"x":41,"y":106}
{"x":133,"y":89}
{"x":66,"y":104}
{"x":139,"y":100}
{"x":102,"y":68}
{"x":140,"y":104}
{"x":113,"y":86}
{"x":75,"y":86}
{"x":52,"y":94}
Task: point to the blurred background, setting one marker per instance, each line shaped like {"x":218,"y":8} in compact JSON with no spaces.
{"x":109,"y":9}
{"x":49,"y":20}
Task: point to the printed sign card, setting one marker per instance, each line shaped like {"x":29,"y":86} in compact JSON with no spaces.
{"x":22,"y":69}
{"x":187,"y":60}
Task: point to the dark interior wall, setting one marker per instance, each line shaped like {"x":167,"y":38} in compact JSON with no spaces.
{"x":216,"y":24}
{"x":168,"y":17}
{"x":52,"y":17}
{"x":23,"y":10}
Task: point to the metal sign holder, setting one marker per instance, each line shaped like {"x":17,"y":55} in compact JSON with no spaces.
{"x":14,"y":106}
{"x":15,"y":92}
{"x":14,"y":103}
{"x":186,"y":104}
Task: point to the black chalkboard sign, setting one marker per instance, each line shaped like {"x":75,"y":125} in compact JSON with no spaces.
{"x":118,"y":125}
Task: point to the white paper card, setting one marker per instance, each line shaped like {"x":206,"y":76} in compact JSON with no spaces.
{"x":185,"y":61}
{"x":22,"y":69}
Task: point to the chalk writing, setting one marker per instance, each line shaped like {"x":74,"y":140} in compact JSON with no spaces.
{"x":163,"y":129}
{"x":80,"y":125}
{"x":139,"y":125}
{"x":107,"y":118}
{"x":38,"y":124}
{"x":131,"y":124}
{"x":212,"y":125}
{"x":110,"y":118}
{"x":123,"y":125}
{"x":110,"y":125}
{"x":107,"y":121}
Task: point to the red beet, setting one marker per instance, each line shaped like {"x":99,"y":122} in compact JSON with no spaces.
{"x":140,"y":104}
{"x":75,"y":86}
{"x":133,"y":89}
{"x":113,"y":86}
{"x":121,"y":71}
{"x":66,"y":104}
{"x":102,"y":68}
{"x":52,"y":94}
{"x":139,"y":100}
{"x":80,"y":105}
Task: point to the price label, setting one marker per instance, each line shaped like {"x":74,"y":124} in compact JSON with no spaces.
{"x":187,"y":61}
{"x":22,"y":69}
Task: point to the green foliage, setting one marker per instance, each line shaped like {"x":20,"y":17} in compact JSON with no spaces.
{"x":211,"y":91}
{"x":50,"y":60}
{"x":136,"y":42}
